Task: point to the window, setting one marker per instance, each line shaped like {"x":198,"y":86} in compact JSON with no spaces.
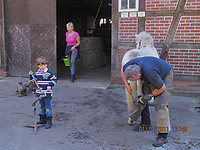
{"x":102,"y":21}
{"x":128,"y":5}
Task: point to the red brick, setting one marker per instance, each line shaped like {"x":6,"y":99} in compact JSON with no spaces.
{"x":193,"y":57}
{"x":173,"y":63}
{"x":174,"y":50}
{"x":154,"y":8}
{"x":190,"y":1}
{"x":183,"y":69}
{"x":169,"y":5}
{"x":196,"y":73}
{"x":151,"y":5}
{"x":185,"y":24}
{"x":183,"y":50}
{"x":189,"y":41}
{"x":179,"y":66}
{"x":183,"y":56}
{"x":179,"y":41}
{"x":193,"y":70}
{"x":128,"y":21}
{"x":185,"y":17}
{"x":195,"y":17}
{"x":133,"y":18}
{"x":193,"y":51}
{"x":180,"y":28}
{"x":175,"y":1}
{"x":124,"y":25}
{"x":155,"y":2}
{"x":159,"y":5}
{"x":183,"y":63}
{"x":193,"y":63}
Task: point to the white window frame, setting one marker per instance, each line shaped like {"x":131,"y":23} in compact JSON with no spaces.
{"x":128,"y":10}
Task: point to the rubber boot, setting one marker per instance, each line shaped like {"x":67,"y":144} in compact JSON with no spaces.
{"x":49,"y":123}
{"x":42,"y":119}
{"x":72,"y":78}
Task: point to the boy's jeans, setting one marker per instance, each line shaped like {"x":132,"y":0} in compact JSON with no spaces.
{"x":45,"y":106}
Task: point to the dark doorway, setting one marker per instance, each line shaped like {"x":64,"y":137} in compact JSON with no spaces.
{"x":91,"y":18}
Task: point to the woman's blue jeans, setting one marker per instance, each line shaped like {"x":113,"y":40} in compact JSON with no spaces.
{"x":72,"y":58}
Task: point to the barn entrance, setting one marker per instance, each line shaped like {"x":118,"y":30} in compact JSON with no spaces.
{"x":91,"y":18}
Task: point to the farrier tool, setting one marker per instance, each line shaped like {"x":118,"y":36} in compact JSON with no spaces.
{"x":135,"y":109}
{"x":42,"y":94}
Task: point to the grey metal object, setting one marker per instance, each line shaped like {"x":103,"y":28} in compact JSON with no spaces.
{"x":135,"y":110}
{"x":42,"y":94}
{"x":35,"y":126}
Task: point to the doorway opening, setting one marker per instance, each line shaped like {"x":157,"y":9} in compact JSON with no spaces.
{"x":91,"y":18}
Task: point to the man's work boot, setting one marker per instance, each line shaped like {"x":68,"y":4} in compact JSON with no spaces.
{"x":42,"y":119}
{"x":49,"y":123}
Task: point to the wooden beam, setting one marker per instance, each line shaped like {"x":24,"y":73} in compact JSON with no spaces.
{"x":114,"y":38}
{"x":159,"y":13}
{"x":141,"y":20}
{"x":177,"y":45}
{"x":131,"y":45}
{"x":171,"y":13}
{"x":191,"y":12}
{"x":185,"y":45}
{"x":172,"y":29}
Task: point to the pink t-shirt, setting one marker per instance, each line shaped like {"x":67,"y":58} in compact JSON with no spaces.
{"x":72,"y":39}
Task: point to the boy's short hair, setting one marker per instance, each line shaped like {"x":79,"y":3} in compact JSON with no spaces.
{"x":41,"y":60}
{"x":132,"y":71}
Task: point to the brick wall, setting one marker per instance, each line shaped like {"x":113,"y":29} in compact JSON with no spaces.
{"x":184,"y":61}
{"x":127,"y":29}
{"x":161,"y":4}
{"x":192,"y":4}
{"x":158,"y":27}
{"x":122,"y":51}
{"x":3,"y":73}
{"x":188,"y":29}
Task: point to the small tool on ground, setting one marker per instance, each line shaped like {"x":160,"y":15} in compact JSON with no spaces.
{"x":42,"y":94}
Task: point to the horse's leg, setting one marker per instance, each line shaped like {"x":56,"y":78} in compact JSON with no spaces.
{"x":129,"y":97}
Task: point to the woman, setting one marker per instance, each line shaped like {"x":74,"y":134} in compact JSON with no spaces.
{"x":73,"y":41}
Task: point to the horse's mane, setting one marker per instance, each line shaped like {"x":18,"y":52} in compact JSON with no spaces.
{"x":143,"y":39}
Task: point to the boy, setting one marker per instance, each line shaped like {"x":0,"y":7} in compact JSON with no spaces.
{"x":46,"y":80}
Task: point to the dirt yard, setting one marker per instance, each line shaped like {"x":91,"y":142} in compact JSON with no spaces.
{"x":88,"y":116}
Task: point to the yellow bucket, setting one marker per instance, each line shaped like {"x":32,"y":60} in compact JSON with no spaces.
{"x":66,"y":61}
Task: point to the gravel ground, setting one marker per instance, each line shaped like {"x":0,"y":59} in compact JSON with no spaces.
{"x":88,"y":116}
